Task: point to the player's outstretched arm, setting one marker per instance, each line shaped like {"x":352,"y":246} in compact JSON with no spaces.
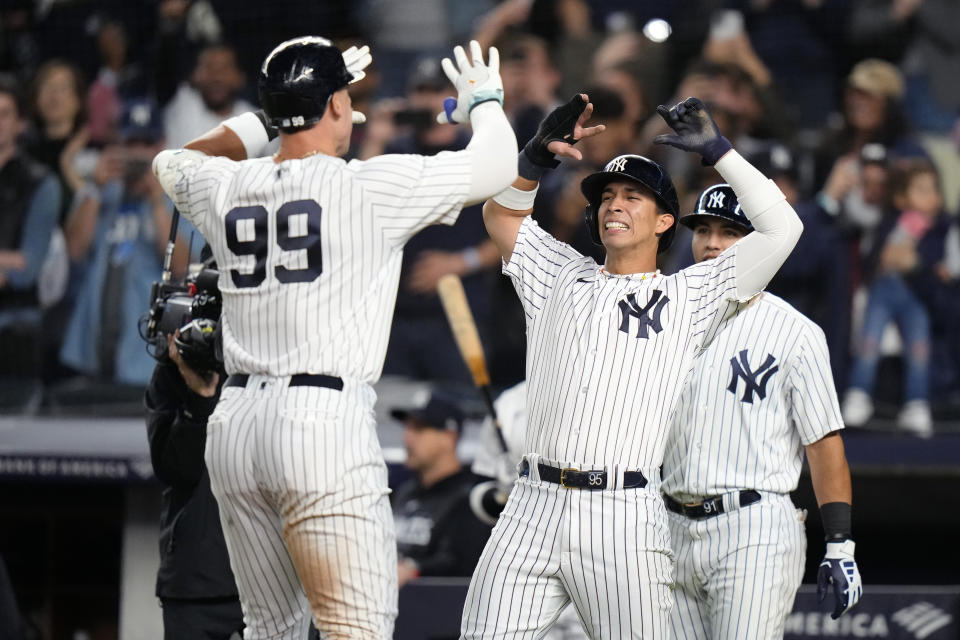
{"x":838,"y":572}
{"x":559,"y":131}
{"x":777,"y":225}
{"x":480,"y":101}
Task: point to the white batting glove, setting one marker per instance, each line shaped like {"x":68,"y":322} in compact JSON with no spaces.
{"x":475,"y":82}
{"x":839,"y":569}
{"x":356,"y":60}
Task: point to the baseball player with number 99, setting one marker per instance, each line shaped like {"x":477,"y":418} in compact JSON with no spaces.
{"x":309,"y":249}
{"x":760,"y":395}
{"x":608,"y":349}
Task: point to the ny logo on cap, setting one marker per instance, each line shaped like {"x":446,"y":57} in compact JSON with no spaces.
{"x":617,"y":164}
{"x":716,"y":200}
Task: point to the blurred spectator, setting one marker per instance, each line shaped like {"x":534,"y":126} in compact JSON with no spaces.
{"x":816,"y":276}
{"x":921,"y":35}
{"x":19,"y":46}
{"x":800,"y":42}
{"x":57,"y":105}
{"x":909,"y":245}
{"x":211,"y":96}
{"x":116,"y":80}
{"x":872,"y":112}
{"x":183,"y":28}
{"x":405,"y":32}
{"x":126,"y":235}
{"x":29,"y":205}
{"x":437,"y":532}
{"x":195,"y":585}
{"x":530,"y":82}
{"x":943,"y":298}
{"x":421,"y":343}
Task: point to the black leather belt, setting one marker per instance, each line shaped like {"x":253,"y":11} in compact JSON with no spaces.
{"x":297,"y":380}
{"x":570,"y":478}
{"x":709,"y":507}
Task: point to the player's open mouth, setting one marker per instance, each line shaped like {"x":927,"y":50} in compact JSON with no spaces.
{"x":615,"y":225}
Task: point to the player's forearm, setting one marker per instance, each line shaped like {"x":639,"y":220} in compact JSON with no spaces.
{"x":493,"y":152}
{"x":503,"y":222}
{"x":777,"y":226}
{"x":237,"y":138}
{"x":829,"y":471}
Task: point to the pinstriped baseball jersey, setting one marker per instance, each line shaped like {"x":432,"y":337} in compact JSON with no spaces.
{"x":607,"y":355}
{"x":309,"y":251}
{"x":759,"y":393}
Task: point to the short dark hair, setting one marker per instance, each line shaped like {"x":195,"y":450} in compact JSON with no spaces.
{"x":10,"y":87}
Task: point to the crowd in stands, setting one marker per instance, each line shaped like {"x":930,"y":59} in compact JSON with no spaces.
{"x":848,"y":104}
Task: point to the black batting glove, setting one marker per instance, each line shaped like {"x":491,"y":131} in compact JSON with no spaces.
{"x":695,"y":130}
{"x":558,"y":125}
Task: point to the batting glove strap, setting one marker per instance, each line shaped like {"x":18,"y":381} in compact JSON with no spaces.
{"x":558,"y":125}
{"x":839,"y":570}
{"x":694,"y":129}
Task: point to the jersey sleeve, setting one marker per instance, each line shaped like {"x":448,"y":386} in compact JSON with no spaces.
{"x":535,"y":263}
{"x":410,"y":192}
{"x":712,"y":290}
{"x":815,"y":410}
{"x":188,"y":178}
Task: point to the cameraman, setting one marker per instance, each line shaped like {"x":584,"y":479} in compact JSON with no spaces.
{"x":195,"y":584}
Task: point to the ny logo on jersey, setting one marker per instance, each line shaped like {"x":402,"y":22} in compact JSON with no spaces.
{"x":629,"y":307}
{"x":741,"y":369}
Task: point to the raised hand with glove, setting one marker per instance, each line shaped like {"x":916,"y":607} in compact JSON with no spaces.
{"x":475,"y":81}
{"x":694,"y":130}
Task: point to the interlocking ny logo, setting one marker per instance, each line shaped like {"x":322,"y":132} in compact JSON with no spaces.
{"x":629,"y":307}
{"x":716,"y":200}
{"x":617,"y":164}
{"x":741,"y":369}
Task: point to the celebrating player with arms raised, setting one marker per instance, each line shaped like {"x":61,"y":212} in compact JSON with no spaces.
{"x":608,"y":350}
{"x":309,"y":249}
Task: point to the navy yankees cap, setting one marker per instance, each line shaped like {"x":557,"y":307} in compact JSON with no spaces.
{"x":718,"y":201}
{"x":439,"y":412}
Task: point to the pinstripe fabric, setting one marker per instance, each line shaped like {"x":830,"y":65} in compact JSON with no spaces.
{"x":723,"y":443}
{"x":340,"y":322}
{"x":598,"y":395}
{"x":607,"y":552}
{"x":293,"y":514}
{"x":737,"y":573}
{"x":309,"y":253}
{"x":606,"y":358}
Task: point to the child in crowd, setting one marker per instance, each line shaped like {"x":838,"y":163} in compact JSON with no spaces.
{"x":907,"y":249}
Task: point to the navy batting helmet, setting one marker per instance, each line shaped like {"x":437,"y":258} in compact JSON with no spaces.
{"x":718,"y":201}
{"x":297,"y":80}
{"x":635,"y":169}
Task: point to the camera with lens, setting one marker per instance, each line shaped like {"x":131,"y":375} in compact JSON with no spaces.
{"x":191,"y":307}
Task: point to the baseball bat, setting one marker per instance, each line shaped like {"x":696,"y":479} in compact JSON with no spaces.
{"x":464,"y":328}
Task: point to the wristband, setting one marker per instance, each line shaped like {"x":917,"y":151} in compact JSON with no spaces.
{"x":251,"y":131}
{"x":516,"y":199}
{"x":272,"y":132}
{"x":471,"y":258}
{"x":528,"y":169}
{"x":714,"y":150}
{"x":836,"y":518}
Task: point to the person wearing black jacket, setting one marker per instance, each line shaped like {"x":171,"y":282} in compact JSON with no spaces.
{"x":195,"y":584}
{"x":437,"y":532}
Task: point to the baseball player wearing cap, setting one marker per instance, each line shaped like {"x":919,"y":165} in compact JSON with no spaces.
{"x":760,"y":394}
{"x":437,"y":534}
{"x":608,"y":349}
{"x":309,"y":249}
